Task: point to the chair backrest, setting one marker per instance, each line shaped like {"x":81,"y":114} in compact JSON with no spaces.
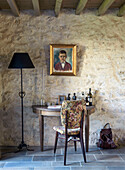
{"x":73,"y":109}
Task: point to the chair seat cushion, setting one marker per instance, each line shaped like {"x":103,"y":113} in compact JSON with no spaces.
{"x":61,"y":130}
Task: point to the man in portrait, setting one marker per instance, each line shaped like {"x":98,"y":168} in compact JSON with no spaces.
{"x":63,"y":65}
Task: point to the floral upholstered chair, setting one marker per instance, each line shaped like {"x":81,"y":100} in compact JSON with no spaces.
{"x":72,"y":117}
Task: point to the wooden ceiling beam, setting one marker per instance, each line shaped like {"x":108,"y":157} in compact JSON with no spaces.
{"x":58,"y":7}
{"x":81,"y":6}
{"x":104,"y":6}
{"x":121,"y":11}
{"x":36,"y":6}
{"x":14,"y":7}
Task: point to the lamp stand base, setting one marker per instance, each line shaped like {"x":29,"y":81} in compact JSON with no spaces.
{"x":23,"y":145}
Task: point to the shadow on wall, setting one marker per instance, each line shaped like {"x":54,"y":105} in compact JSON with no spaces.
{"x":119,"y":136}
{"x":106,"y":113}
{"x":36,"y":99}
{"x":80,"y":51}
{"x":47,"y":58}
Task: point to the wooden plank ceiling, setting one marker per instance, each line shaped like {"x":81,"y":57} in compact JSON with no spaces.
{"x":79,"y":5}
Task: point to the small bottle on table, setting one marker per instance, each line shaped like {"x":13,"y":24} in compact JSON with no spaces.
{"x":74,"y":96}
{"x":90,"y":97}
{"x":87,"y":102}
{"x":68,"y":98}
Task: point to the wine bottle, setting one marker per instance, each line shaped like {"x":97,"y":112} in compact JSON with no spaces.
{"x":87,"y":102}
{"x":74,"y":96}
{"x":68,"y":98}
{"x":90,"y":97}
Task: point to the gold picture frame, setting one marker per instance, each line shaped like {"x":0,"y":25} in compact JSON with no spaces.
{"x":63,"y":59}
{"x":61,"y":98}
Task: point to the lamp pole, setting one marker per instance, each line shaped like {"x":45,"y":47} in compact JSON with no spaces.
{"x":22,"y":95}
{"x":21,"y":61}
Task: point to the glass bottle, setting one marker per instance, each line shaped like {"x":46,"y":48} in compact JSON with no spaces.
{"x":90,"y":97}
{"x":42,"y":100}
{"x":87,"y":102}
{"x":74,"y":96}
{"x":68,"y":98}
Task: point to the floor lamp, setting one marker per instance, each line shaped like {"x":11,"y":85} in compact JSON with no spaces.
{"x":21,"y":61}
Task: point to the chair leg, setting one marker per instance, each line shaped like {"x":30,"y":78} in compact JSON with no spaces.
{"x":83,"y":148}
{"x":56,"y":140}
{"x":65,"y":150}
{"x":75,"y":144}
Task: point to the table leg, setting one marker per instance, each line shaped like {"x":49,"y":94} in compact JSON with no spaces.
{"x":87,"y":131}
{"x":41,"y":128}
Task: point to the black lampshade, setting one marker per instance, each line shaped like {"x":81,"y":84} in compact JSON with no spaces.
{"x":21,"y":60}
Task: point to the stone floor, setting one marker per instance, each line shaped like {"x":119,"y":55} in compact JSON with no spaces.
{"x":97,"y":159}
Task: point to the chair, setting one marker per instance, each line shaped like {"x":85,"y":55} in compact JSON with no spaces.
{"x":72,"y":117}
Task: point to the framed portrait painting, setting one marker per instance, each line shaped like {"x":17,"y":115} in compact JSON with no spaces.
{"x":63,"y":60}
{"x":61,"y":99}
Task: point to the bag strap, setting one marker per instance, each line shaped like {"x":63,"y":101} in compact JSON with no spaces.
{"x":106,"y":125}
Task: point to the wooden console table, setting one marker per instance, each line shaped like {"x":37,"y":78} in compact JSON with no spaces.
{"x":44,"y":111}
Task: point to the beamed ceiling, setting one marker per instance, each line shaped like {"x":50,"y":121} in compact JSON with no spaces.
{"x":79,"y":5}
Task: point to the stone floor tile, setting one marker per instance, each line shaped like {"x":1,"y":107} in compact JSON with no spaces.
{"x":118,"y":150}
{"x":71,"y":150}
{"x":34,"y":149}
{"x":16,"y":158}
{"x":89,"y":168}
{"x":90,"y":158}
{"x":94,"y":151}
{"x":61,"y":168}
{"x":116,"y":168}
{"x":43,"y":158}
{"x":96,"y":159}
{"x":68,"y":163}
{"x":1,"y":164}
{"x":12,"y":150}
{"x":103,"y":164}
{"x":28,"y":164}
{"x":59,"y":158}
{"x":75,"y":158}
{"x":46,"y":151}
{"x":108,"y":157}
{"x":110,"y":151}
{"x":53,"y":168}
{"x":122,"y":156}
{"x":12,"y":168}
{"x":70,"y":157}
{"x":12,"y":153}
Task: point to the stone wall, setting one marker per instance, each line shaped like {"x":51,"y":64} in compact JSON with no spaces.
{"x":100,"y":65}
